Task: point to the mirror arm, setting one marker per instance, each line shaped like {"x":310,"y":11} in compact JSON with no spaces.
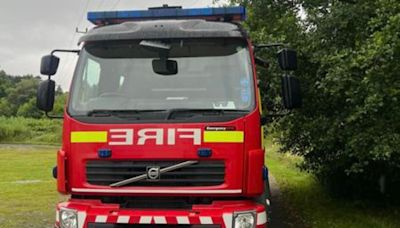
{"x":258,"y":47}
{"x":270,"y":117}
{"x":276,"y":115}
{"x":261,"y":62}
{"x":48,"y":115}
{"x":270,"y":45}
{"x":65,"y":50}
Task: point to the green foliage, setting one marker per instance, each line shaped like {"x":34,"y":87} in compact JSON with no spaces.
{"x":28,"y":109}
{"x":20,"y":119}
{"x":348,"y":131}
{"x":18,"y":96}
{"x":307,"y":200}
{"x":59,"y":103}
{"x":28,"y":130}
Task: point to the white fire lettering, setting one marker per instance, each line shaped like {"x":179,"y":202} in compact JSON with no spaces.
{"x":171,"y":136}
{"x":158,"y":135}
{"x":196,"y":135}
{"x":125,"y":134}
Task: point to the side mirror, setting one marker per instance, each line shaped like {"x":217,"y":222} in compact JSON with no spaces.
{"x":165,"y":66}
{"x":45,"y":95}
{"x":291,"y":92}
{"x":49,"y":65}
{"x":287,"y":59}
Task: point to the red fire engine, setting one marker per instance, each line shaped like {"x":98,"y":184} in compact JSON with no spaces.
{"x":163,"y":123}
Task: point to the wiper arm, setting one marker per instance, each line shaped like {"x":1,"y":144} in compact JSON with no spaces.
{"x":110,"y":112}
{"x":144,"y":176}
{"x":171,"y":112}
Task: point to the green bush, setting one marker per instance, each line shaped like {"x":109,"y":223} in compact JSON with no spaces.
{"x":348,"y":131}
{"x":28,"y":130}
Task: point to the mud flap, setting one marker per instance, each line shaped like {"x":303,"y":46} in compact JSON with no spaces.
{"x":265,"y":198}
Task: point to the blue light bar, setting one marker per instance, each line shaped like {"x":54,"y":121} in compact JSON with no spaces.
{"x":211,"y":14}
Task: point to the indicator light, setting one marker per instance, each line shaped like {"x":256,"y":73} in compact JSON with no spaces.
{"x":204,"y":152}
{"x":104,"y":153}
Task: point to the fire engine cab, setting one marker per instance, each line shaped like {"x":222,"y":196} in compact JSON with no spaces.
{"x":163,"y":125}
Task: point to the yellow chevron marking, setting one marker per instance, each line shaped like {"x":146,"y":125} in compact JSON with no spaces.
{"x":223,"y":136}
{"x":88,"y":136}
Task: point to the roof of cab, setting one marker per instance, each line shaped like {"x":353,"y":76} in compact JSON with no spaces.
{"x":164,"y":29}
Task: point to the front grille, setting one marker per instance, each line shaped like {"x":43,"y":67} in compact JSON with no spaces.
{"x":203,"y":173}
{"x":102,"y":225}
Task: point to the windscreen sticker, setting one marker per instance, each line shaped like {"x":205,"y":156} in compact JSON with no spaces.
{"x":224,"y":105}
{"x":245,"y":93}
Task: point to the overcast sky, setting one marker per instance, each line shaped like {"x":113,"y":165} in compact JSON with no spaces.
{"x":31,"y":29}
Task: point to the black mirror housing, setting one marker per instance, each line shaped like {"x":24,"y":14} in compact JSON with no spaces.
{"x":165,"y":66}
{"x":287,"y":59}
{"x":291,"y":92}
{"x":45,"y":95}
{"x":49,"y":65}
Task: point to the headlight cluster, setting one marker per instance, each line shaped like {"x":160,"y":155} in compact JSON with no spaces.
{"x":68,"y":218}
{"x":244,"y":219}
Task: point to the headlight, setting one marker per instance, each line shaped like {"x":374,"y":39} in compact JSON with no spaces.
{"x":244,"y":219}
{"x":68,"y":218}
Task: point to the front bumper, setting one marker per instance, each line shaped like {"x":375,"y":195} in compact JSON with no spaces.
{"x":219,"y":214}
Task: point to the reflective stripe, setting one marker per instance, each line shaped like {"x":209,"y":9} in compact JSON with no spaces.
{"x":101,"y":219}
{"x":160,"y":220}
{"x":206,"y":220}
{"x":81,"y":219}
{"x":227,"y":219}
{"x":182,"y":220}
{"x":145,"y":220}
{"x":88,"y":136}
{"x":123,"y":219}
{"x":223,"y":136}
{"x":261,"y":218}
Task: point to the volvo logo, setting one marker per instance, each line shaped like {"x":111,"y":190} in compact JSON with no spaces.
{"x":153,"y":173}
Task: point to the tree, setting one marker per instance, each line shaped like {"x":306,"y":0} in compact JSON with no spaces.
{"x":349,"y":128}
{"x":21,"y":92}
{"x":18,"y":96}
{"x":29,"y":109}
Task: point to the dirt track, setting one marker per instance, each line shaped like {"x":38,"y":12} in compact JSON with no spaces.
{"x":282,"y":216}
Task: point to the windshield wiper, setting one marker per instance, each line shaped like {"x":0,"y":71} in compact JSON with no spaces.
{"x":171,"y":112}
{"x":110,"y":112}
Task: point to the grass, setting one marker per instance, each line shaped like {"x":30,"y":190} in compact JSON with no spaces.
{"x":314,"y":206}
{"x":30,"y":131}
{"x":27,"y":190}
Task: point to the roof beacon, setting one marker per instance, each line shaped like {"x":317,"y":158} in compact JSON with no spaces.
{"x":227,"y":14}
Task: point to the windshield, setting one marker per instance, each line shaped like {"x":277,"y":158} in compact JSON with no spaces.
{"x":212,"y":74}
